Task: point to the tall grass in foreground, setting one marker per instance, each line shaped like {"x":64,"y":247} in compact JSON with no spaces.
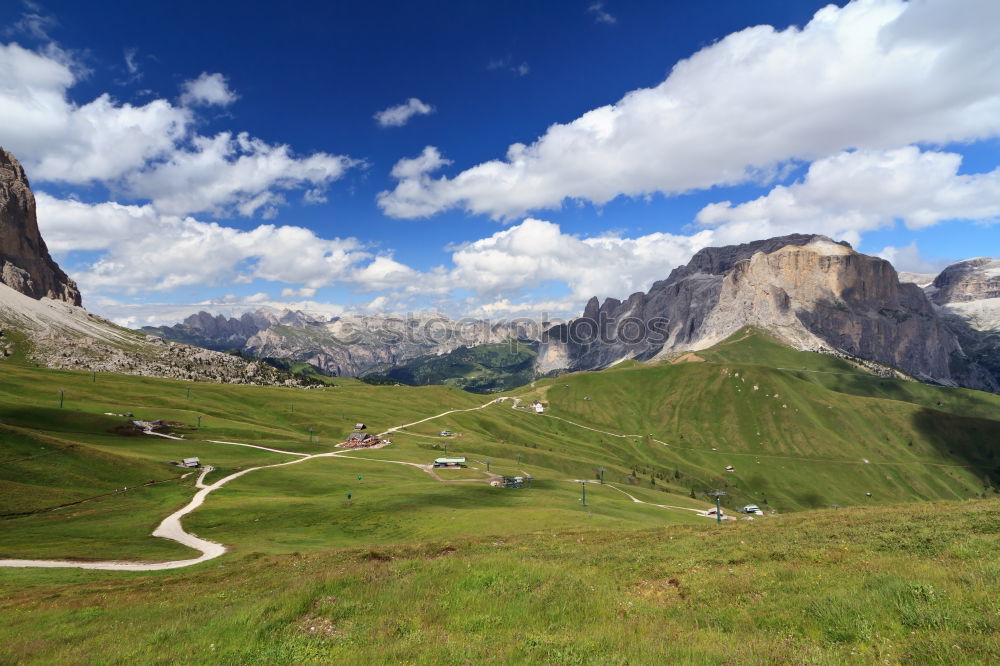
{"x":874,"y":585}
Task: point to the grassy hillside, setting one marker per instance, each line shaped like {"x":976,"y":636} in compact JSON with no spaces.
{"x":802,"y":431}
{"x":481,"y":369}
{"x":441,"y":565}
{"x":797,"y":427}
{"x":38,"y":471}
{"x":862,"y":586}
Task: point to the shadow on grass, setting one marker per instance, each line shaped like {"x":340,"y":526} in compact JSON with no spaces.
{"x":969,"y":441}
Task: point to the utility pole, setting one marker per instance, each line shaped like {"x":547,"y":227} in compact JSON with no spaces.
{"x":602,"y":471}
{"x":310,"y":435}
{"x":199,"y":423}
{"x":488,"y":465}
{"x":189,"y":393}
{"x":718,"y":507}
{"x":93,"y":377}
{"x":62,"y":394}
{"x":583,"y":485}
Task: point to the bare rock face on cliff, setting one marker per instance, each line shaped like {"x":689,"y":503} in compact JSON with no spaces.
{"x":808,"y":291}
{"x":967,"y":296}
{"x":970,"y":280}
{"x":25,"y":264}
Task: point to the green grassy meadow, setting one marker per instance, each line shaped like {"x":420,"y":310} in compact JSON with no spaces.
{"x":443,"y":568}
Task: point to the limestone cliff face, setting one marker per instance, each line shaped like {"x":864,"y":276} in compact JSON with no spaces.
{"x":808,"y":291}
{"x":25,"y":264}
{"x":827,"y":296}
{"x":671,"y":315}
{"x":970,"y":280}
{"x":967,"y":297}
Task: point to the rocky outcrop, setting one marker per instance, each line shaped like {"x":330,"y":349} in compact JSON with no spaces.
{"x":25,"y":263}
{"x":669,"y":316}
{"x":826,"y":296}
{"x":970,"y":280}
{"x":806,"y":290}
{"x":967,"y":297}
{"x":59,"y":335}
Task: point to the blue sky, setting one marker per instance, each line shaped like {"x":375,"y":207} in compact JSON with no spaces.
{"x":229,"y":156}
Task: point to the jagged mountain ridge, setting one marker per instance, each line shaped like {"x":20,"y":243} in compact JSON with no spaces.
{"x":224,"y":333}
{"x":25,"y":263}
{"x":807,"y":290}
{"x":350,"y":345}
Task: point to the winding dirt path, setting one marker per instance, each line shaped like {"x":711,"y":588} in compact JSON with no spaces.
{"x":451,"y":411}
{"x":171,"y":528}
{"x":700,"y":512}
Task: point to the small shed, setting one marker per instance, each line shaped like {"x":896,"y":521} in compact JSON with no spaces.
{"x":360,"y":426}
{"x":446,"y":433}
{"x":539,"y":408}
{"x":191,"y":462}
{"x":449,"y":462}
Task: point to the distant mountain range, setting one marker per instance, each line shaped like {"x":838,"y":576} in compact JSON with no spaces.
{"x":352,"y":345}
{"x":808,"y":291}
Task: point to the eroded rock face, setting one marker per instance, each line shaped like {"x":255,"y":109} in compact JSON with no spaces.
{"x":671,"y":315}
{"x":808,"y":291}
{"x":827,"y":296}
{"x":967,"y":297}
{"x":970,"y":280}
{"x":25,"y":263}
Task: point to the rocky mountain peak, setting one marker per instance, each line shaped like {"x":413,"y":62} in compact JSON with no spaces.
{"x":808,"y":290}
{"x":970,"y":280}
{"x":720,"y":260}
{"x":25,"y":263}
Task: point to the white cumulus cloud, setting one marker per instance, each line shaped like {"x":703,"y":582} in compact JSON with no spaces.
{"x":852,"y":192}
{"x":149,"y":151}
{"x":57,"y":139}
{"x":399,"y":115}
{"x":207,"y":90}
{"x":875,"y":74}
{"x":909,"y":258}
{"x":225,"y":172}
{"x":536,"y":252}
{"x":142,"y":249}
